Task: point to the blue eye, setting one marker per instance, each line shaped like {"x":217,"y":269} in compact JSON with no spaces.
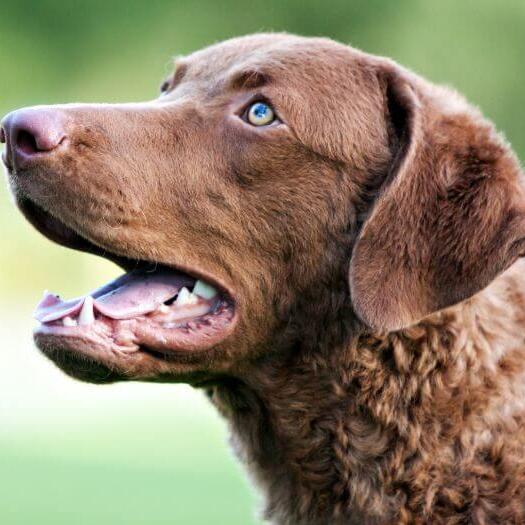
{"x":260,"y":114}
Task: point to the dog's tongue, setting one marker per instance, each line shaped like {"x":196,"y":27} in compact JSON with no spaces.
{"x":132,"y":294}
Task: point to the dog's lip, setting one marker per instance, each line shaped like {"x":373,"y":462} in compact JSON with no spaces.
{"x":106,"y":338}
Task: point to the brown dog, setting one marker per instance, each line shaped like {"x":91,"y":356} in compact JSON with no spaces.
{"x":337,"y":221}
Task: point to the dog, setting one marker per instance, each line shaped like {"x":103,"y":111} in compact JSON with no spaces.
{"x":325,"y":243}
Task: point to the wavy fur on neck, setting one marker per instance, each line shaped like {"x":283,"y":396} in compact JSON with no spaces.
{"x":424,"y":425}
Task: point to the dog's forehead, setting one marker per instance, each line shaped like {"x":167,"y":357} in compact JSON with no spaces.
{"x":277,"y":55}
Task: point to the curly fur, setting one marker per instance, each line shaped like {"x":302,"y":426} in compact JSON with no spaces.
{"x":424,"y":425}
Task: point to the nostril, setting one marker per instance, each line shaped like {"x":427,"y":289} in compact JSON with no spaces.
{"x":29,"y":134}
{"x":26,"y":142}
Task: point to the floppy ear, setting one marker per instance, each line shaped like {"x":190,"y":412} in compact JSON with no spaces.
{"x":450,"y":215}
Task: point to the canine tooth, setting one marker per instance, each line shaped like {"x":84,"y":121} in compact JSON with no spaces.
{"x":185,"y":297}
{"x":204,"y":290}
{"x":86,"y":315}
{"x":163,"y":308}
{"x":67,"y":321}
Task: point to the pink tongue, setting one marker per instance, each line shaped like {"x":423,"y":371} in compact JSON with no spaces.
{"x":130,"y":295}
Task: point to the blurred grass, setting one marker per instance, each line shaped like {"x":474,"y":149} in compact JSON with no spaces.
{"x":76,"y":454}
{"x":122,"y":472}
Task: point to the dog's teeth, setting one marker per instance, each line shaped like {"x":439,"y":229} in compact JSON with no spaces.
{"x":185,"y":297}
{"x":163,"y":308}
{"x":204,"y":290}
{"x":67,"y":321}
{"x":86,"y":315}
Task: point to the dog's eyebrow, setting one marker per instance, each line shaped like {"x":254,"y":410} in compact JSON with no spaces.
{"x":249,"y":79}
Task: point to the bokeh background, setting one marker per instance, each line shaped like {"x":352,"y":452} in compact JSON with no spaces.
{"x":72,"y":453}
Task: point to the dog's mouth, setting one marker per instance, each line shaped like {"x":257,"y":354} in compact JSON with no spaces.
{"x":152,"y":308}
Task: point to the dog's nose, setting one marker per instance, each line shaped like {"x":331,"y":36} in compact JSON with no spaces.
{"x":29,"y":134}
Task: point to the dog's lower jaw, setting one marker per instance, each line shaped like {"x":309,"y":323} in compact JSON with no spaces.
{"x":413,"y":427}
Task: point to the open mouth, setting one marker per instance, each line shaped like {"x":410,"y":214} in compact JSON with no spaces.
{"x":151,"y":308}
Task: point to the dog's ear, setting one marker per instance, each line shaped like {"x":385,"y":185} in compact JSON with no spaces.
{"x":449,"y":216}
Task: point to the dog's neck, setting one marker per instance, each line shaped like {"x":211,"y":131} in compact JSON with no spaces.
{"x":352,"y":434}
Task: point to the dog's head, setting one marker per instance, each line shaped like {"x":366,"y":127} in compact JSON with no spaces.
{"x":278,"y":186}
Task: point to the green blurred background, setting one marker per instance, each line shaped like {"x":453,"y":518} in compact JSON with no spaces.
{"x":72,"y":453}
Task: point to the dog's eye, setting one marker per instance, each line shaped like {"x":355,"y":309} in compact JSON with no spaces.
{"x":165,"y":86}
{"x":260,"y":114}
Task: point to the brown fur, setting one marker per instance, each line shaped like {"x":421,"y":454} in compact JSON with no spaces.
{"x":372,"y":377}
